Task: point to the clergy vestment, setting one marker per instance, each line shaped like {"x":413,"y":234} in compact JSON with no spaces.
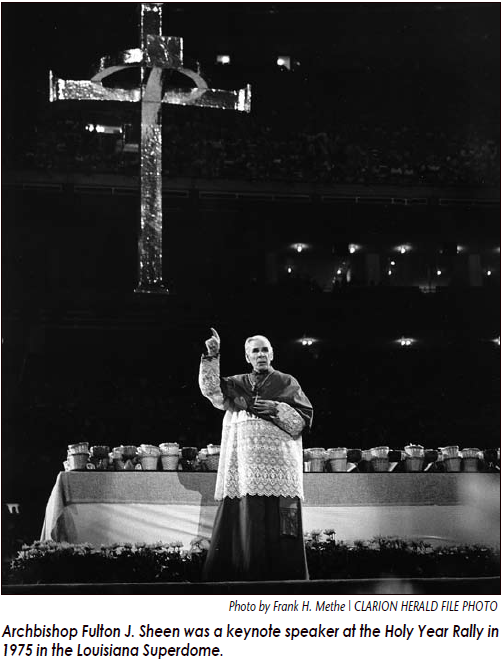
{"x":258,"y":532}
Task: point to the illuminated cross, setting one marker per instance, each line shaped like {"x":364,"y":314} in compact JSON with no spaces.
{"x":155,"y":55}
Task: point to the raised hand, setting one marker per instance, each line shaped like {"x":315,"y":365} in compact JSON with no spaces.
{"x":213,"y":343}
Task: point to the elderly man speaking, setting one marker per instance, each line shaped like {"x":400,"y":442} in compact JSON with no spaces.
{"x":257,"y":533}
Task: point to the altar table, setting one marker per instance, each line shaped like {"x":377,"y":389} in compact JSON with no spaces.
{"x":116,"y":507}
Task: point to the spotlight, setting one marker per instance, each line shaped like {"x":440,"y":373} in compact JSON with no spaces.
{"x":307,"y":341}
{"x":284,"y":61}
{"x":338,"y":271}
{"x":389,"y":272}
{"x":353,"y":248}
{"x":299,"y":247}
{"x":489,"y":272}
{"x":289,"y":270}
{"x":405,"y":341}
{"x":392,"y":262}
{"x":104,"y":129}
{"x":438,"y":272}
{"x":402,"y":249}
{"x":223,"y":59}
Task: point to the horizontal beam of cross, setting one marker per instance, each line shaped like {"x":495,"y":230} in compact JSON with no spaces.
{"x":76,"y":89}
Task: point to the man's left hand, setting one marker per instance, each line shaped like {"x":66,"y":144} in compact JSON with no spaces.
{"x":265,"y":407}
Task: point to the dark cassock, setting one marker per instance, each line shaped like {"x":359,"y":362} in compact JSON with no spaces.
{"x":257,"y":534}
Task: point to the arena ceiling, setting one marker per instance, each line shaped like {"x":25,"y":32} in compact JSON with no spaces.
{"x":68,"y":36}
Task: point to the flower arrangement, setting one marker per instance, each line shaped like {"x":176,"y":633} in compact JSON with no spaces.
{"x":381,"y":557}
{"x":54,"y":562}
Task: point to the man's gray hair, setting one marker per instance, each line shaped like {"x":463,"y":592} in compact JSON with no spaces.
{"x":249,"y":339}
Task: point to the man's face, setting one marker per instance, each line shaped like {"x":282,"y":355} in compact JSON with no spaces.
{"x":259,"y":354}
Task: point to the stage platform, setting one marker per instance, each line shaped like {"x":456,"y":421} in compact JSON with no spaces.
{"x":321,"y":588}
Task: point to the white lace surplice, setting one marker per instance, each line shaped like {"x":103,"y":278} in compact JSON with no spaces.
{"x":258,"y":457}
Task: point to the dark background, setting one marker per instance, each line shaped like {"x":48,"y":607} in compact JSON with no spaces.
{"x":85,"y":358}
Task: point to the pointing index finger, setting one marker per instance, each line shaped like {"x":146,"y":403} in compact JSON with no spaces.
{"x":215,"y":334}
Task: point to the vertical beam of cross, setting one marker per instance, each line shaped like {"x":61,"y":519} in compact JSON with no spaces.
{"x":151,"y":221}
{"x":155,"y":55}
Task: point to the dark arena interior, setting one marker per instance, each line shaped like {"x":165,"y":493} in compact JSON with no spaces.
{"x":353,"y":217}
